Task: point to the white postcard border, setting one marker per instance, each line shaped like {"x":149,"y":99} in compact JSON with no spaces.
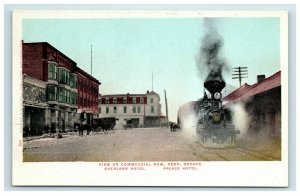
{"x":231,"y":173}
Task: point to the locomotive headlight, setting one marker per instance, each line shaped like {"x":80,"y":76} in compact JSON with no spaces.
{"x":216,"y":117}
{"x":217,"y":95}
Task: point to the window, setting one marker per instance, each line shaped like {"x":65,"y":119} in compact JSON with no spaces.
{"x":133,"y":100}
{"x":100,"y":101}
{"x":139,"y":109}
{"x":73,"y":80}
{"x":52,"y":93}
{"x":124,"y":100}
{"x":142,"y":100}
{"x":60,"y":75}
{"x":73,"y":98}
{"x":151,"y":100}
{"x":134,"y":109}
{"x":107,"y":100}
{"x":115,"y":109}
{"x":125,"y":109}
{"x":65,"y":96}
{"x":67,"y":80}
{"x":107,"y":110}
{"x":69,"y":96}
{"x":115,"y":100}
{"x":152,"y":109}
{"x":52,"y":71}
{"x":64,"y":76}
{"x":61,"y":93}
{"x":99,"y":109}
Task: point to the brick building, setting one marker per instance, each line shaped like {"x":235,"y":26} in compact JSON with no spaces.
{"x":55,"y":90}
{"x":136,"y":110}
{"x":88,"y":88}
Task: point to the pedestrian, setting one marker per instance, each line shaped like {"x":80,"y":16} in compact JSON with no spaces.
{"x":46,"y":129}
{"x":53,"y":129}
{"x":171,"y":126}
{"x":124,"y":124}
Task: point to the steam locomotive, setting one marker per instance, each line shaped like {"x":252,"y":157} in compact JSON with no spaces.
{"x":214,"y":126}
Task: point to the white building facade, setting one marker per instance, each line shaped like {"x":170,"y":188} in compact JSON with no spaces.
{"x":131,"y":110}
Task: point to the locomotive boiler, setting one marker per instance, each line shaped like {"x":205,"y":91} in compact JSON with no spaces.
{"x":214,"y":126}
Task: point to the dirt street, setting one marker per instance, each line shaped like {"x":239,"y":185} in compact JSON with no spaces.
{"x":142,"y":144}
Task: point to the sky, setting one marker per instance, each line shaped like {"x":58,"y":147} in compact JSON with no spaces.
{"x":127,"y":51}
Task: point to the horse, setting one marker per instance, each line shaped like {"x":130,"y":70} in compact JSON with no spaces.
{"x":174,"y":127}
{"x":81,"y":127}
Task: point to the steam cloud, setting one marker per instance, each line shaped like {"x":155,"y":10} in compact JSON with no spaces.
{"x":241,"y":118}
{"x":209,"y":62}
{"x":189,"y":122}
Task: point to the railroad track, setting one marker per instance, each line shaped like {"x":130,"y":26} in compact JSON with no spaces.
{"x":198,"y":154}
{"x":223,"y":158}
{"x":258,"y":155}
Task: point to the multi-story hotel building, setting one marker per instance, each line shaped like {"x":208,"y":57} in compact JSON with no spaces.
{"x":55,"y":90}
{"x":87,"y":101}
{"x":141,"y":110}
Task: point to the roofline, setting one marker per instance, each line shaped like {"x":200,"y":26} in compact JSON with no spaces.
{"x":87,"y":75}
{"x":253,"y":86}
{"x":76,"y":66}
{"x":248,"y":86}
{"x":264,"y":80}
{"x":46,"y":43}
{"x":122,"y":95}
{"x":152,"y":92}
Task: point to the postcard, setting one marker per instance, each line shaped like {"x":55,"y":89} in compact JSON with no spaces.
{"x":150,"y":98}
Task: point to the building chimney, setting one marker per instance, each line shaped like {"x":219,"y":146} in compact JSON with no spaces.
{"x":260,"y":78}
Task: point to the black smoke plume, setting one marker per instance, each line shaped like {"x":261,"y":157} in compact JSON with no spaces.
{"x":209,"y":62}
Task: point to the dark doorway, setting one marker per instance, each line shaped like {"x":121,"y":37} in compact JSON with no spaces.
{"x":34,"y":120}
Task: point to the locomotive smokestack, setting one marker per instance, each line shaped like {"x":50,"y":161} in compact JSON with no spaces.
{"x":209,"y":63}
{"x":214,"y":86}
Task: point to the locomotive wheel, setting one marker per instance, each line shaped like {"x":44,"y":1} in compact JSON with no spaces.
{"x":113,"y":130}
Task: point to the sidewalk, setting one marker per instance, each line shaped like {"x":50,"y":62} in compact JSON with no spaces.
{"x":48,"y":135}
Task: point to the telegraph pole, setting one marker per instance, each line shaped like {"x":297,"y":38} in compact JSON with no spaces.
{"x":167,"y":116}
{"x":239,"y":73}
{"x":152,"y":80}
{"x":91,"y":60}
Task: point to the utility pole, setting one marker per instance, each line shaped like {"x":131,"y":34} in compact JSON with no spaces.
{"x":91,"y":60}
{"x":152,"y":80}
{"x":239,"y":73}
{"x":166,"y":101}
